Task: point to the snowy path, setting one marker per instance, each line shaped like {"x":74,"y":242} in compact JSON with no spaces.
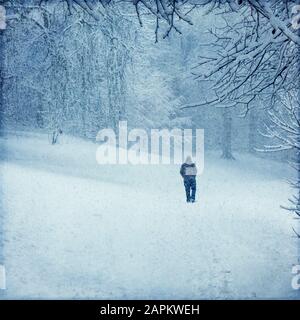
{"x":76,"y":229}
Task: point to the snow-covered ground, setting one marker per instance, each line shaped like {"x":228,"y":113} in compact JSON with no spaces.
{"x":76,"y":229}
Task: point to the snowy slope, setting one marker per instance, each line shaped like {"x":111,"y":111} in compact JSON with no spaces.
{"x":76,"y":229}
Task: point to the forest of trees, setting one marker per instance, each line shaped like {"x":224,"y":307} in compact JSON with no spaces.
{"x":77,"y":74}
{"x":71,"y":71}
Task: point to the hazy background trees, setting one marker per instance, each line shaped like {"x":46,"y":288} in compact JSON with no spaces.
{"x":79,"y":66}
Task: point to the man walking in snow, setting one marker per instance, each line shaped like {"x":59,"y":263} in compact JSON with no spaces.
{"x":188,"y":172}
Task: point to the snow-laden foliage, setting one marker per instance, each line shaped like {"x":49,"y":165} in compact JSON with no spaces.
{"x":76,"y":74}
{"x":283,"y":127}
{"x":256,"y":56}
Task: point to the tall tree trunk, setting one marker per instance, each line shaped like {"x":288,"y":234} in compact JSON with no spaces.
{"x":252,"y":131}
{"x":116,"y":64}
{"x":227,"y":135}
{"x":83,"y":101}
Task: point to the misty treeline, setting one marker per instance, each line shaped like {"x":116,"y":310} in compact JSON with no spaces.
{"x":78,"y":72}
{"x":73,"y":73}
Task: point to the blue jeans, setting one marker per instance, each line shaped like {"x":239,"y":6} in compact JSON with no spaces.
{"x":190,"y":188}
